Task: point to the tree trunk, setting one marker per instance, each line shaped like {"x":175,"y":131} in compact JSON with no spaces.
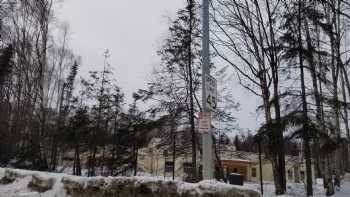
{"x":218,"y":159}
{"x":173,"y":136}
{"x":311,"y":61}
{"x":191,"y":92}
{"x":277,"y":132}
{"x":305,"y":130}
{"x":77,"y":166}
{"x":135,"y":152}
{"x":346,"y":122}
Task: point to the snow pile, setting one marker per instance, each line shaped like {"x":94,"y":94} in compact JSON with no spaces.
{"x":33,"y":184}
{"x":298,"y":189}
{"x":24,"y":183}
{"x":150,"y":187}
{"x":347,"y":177}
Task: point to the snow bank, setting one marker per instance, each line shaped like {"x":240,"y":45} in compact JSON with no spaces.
{"x":149,"y":187}
{"x":347,"y":177}
{"x":30,"y":183}
{"x":298,"y":189}
{"x":24,"y":183}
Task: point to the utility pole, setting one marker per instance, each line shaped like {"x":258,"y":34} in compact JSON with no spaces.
{"x":207,"y":141}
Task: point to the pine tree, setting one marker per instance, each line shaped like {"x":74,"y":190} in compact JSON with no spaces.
{"x":179,"y":75}
{"x":78,"y":128}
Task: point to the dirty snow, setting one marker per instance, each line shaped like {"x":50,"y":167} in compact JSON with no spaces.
{"x":19,"y":187}
{"x":298,"y":189}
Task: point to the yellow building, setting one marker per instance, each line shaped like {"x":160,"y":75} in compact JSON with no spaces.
{"x":247,"y":164}
{"x":152,"y":161}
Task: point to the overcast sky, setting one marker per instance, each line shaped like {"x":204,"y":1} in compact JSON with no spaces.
{"x":132,"y":30}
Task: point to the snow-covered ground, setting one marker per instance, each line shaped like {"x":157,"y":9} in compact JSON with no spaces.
{"x":19,"y":187}
{"x":108,"y":184}
{"x":298,"y":189}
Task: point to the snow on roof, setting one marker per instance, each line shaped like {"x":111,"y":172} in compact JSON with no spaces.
{"x":243,"y":156}
{"x":238,"y":156}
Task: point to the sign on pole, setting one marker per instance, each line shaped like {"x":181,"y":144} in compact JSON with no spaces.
{"x":204,"y":125}
{"x":211,"y":92}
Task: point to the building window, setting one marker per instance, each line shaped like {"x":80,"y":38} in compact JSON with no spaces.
{"x":169,"y":165}
{"x":253,"y":172}
{"x":290,"y":175}
{"x":187,"y":167}
{"x":302,"y":175}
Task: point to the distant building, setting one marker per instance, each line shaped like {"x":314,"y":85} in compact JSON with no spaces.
{"x":157,"y":161}
{"x":247,"y":164}
{"x":152,"y":160}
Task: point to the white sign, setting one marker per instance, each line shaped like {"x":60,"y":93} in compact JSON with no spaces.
{"x":211,"y":92}
{"x":204,"y":125}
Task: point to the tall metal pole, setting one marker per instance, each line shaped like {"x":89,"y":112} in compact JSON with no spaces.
{"x":207,"y":141}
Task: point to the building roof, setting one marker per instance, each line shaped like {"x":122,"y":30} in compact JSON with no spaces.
{"x":249,"y":157}
{"x":238,"y":155}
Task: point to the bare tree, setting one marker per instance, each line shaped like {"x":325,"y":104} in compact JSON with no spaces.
{"x":246,"y":37}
